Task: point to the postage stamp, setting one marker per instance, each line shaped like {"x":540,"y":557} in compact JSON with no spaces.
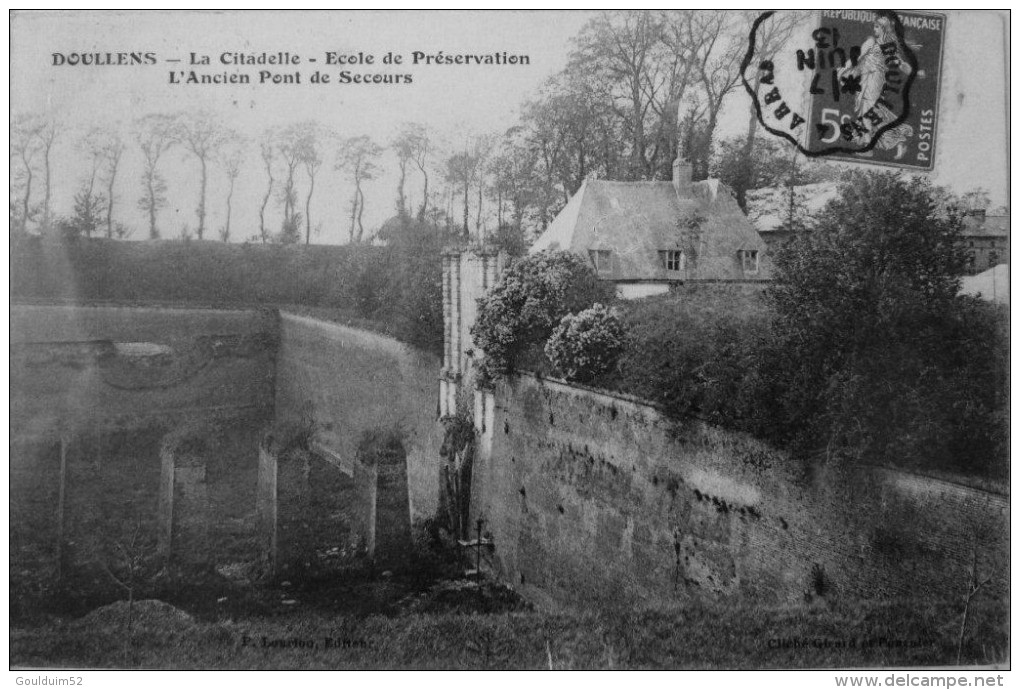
{"x":863,"y":87}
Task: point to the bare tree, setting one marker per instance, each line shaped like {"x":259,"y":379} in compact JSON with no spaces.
{"x":288,"y":148}
{"x":974,"y":586}
{"x":411,"y":145}
{"x":103,"y":150}
{"x":266,"y":147}
{"x":26,"y":149}
{"x":93,"y":145}
{"x":421,"y":147}
{"x":483,"y":146}
{"x":357,"y":157}
{"x":112,"y":151}
{"x":625,"y":49}
{"x":48,"y":134}
{"x":155,"y":135}
{"x":464,"y":170}
{"x":128,"y":566}
{"x":311,"y":139}
{"x":202,"y":135}
{"x":714,"y":44}
{"x":771,"y":36}
{"x":231,"y":156}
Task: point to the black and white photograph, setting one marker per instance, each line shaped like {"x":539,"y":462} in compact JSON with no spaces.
{"x":644,"y":339}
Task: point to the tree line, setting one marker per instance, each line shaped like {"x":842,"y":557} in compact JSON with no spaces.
{"x":639,"y":88}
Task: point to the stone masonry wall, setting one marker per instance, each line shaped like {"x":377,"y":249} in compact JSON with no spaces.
{"x":95,"y":391}
{"x":595,"y":497}
{"x":76,"y":368}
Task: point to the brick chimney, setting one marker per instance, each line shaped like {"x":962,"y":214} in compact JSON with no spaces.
{"x":683,"y":173}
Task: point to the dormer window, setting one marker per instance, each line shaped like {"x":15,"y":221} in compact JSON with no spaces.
{"x":671,"y":259}
{"x":601,"y":259}
{"x":748,"y":260}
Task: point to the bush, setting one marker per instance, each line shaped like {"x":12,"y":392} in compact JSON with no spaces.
{"x":866,"y":314}
{"x":586,"y":345}
{"x":860,"y":351}
{"x":696,"y":355}
{"x":526,"y":304}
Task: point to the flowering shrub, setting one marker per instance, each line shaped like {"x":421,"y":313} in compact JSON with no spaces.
{"x":522,"y":309}
{"x":587,"y":344}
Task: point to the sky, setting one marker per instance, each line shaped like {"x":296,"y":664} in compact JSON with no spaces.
{"x":453,"y":101}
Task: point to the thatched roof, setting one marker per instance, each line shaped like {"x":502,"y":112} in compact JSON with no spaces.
{"x":637,"y":220}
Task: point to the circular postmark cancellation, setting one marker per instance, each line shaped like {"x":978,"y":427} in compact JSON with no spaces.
{"x":830,"y":93}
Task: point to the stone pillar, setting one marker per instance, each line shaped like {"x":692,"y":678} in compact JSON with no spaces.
{"x":293,"y":539}
{"x":458,"y":343}
{"x":447,"y":313}
{"x":183,"y":502}
{"x":392,"y":515}
{"x":468,"y":274}
{"x":265,"y":505}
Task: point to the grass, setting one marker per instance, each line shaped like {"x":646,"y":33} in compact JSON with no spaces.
{"x":701,"y":636}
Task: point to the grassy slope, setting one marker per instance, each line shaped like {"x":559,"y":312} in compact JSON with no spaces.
{"x":701,"y":636}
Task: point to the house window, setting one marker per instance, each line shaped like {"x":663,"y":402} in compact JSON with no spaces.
{"x":749,"y":260}
{"x":601,"y":259}
{"x":971,"y":259}
{"x":672,"y":259}
{"x":993,"y":259}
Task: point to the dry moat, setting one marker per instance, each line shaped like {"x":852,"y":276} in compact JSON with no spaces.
{"x":196,"y":488}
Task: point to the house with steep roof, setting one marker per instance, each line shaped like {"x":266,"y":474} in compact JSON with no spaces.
{"x":650,"y":236}
{"x":986,"y":239}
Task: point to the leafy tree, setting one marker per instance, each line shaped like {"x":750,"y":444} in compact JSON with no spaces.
{"x":864,"y":306}
{"x":768,"y":163}
{"x":86,"y":218}
{"x":290,"y":231}
{"x":413,"y":294}
{"x":88,"y":212}
{"x":976,"y":199}
{"x":509,"y":237}
{"x":529,"y":300}
{"x":587,"y":344}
